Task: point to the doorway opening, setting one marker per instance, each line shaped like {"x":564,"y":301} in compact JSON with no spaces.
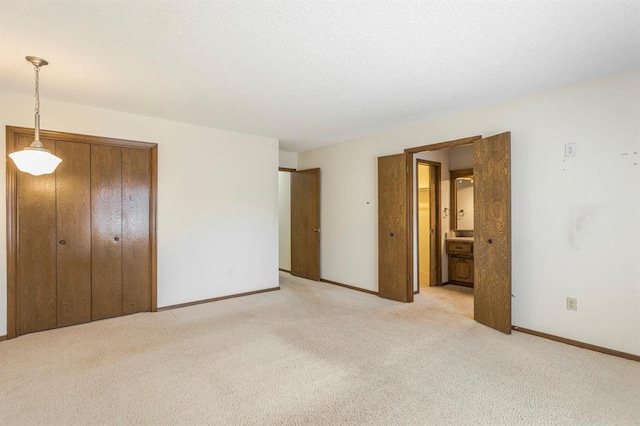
{"x":433,"y":248}
{"x":478,"y":257}
{"x":484,"y":255}
{"x":284,"y":219}
{"x":427,"y":202}
{"x":299,"y":222}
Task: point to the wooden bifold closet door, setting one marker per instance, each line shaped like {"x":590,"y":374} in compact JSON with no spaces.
{"x":73,"y":226}
{"x":119,"y":235}
{"x":80,"y":239}
{"x":36,"y":260}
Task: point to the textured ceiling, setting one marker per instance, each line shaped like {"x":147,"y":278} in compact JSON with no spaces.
{"x":310,"y":73}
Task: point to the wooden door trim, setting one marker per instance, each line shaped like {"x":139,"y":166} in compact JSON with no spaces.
{"x":12,"y":135}
{"x":76,"y":137}
{"x":437,"y":166}
{"x":408,"y":157}
{"x":577,"y":343}
{"x":442,"y":145}
{"x":217,"y":299}
{"x":438,"y":204}
{"x":350,"y":287}
{"x":12,"y":235}
{"x":409,"y":152}
{"x":153,"y":227}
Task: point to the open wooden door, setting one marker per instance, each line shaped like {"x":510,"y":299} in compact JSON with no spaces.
{"x":492,"y":242}
{"x":434,"y":242}
{"x":393,"y":276}
{"x":305,"y":224}
{"x":427,"y":221}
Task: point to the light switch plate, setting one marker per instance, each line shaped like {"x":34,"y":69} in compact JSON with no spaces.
{"x":570,"y":149}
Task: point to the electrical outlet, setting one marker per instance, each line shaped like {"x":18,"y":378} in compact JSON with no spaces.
{"x":570,"y":149}
{"x":572,"y":303}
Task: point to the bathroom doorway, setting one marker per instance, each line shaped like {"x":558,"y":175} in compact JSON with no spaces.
{"x":427,"y":202}
{"x":492,"y":225}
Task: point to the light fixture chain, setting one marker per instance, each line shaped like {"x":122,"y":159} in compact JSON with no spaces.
{"x":37,"y":90}
{"x":36,"y":159}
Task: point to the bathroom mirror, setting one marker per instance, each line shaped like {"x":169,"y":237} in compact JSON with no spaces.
{"x":461,"y":200}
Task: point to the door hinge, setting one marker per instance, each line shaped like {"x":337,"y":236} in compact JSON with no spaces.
{"x":407,"y":169}
{"x":408,"y":278}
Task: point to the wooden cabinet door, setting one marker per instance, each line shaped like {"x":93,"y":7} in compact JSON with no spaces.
{"x":106,"y":232}
{"x":461,"y":269}
{"x":492,"y":218}
{"x":73,"y":228}
{"x":393,"y":276}
{"x":136,"y":182}
{"x":36,"y":260}
{"x":305,"y":224}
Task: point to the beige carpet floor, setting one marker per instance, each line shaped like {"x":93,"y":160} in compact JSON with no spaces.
{"x":311,"y":353}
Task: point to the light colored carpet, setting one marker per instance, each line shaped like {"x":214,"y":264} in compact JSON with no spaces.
{"x":311,"y":353}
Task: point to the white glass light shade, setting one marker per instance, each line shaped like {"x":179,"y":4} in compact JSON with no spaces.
{"x":35,"y":161}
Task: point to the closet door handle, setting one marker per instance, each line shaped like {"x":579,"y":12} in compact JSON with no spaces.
{"x":117,"y":238}
{"x":62,"y":242}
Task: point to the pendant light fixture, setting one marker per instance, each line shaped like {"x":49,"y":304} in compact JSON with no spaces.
{"x":36,"y":159}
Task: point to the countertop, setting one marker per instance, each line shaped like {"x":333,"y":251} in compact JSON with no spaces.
{"x":468,"y":239}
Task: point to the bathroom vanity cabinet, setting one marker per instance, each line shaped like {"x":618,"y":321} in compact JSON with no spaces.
{"x":460,"y":252}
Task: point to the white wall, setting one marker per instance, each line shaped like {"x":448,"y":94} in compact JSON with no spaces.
{"x":217,"y":198}
{"x":575,"y":221}
{"x":284,"y":202}
{"x":288,"y":160}
{"x":461,"y":157}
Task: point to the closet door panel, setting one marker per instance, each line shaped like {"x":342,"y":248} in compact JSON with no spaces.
{"x":36,"y":269}
{"x":135,"y":230}
{"x":106,"y":231}
{"x":73,"y":218}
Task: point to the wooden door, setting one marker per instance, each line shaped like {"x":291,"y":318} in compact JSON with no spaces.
{"x":393,"y":275}
{"x":66,"y":238}
{"x":36,"y":261}
{"x":106,"y":232}
{"x":73,"y":229}
{"x":135,"y":230}
{"x":434,"y":208}
{"x":492,"y":242}
{"x":305,"y":224}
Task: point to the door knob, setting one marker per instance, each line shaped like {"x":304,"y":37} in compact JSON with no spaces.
{"x":316,"y":230}
{"x":490,"y":241}
{"x":117,"y":238}
{"x":62,"y":242}
{"x":391,"y":234}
